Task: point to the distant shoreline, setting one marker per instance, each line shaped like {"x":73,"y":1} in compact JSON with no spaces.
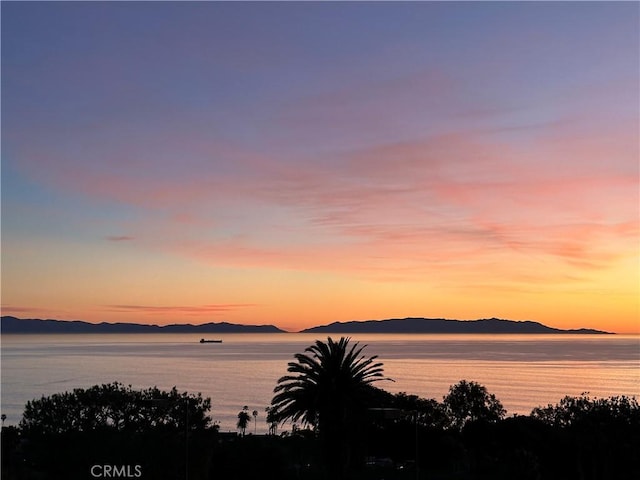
{"x":30,"y":325}
{"x":494,"y":326}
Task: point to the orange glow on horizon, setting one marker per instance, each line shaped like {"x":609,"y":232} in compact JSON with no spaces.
{"x":314,"y":180}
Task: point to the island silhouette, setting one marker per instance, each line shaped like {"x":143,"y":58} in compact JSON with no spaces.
{"x":9,"y":324}
{"x":441,"y":325}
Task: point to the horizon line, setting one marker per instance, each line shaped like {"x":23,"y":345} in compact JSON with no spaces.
{"x":342,"y":322}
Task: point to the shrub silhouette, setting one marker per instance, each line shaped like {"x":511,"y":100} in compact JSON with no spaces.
{"x":65,"y":434}
{"x":470,"y":401}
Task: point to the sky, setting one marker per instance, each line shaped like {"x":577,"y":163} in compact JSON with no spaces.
{"x":301,"y":163}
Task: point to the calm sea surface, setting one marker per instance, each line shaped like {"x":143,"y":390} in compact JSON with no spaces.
{"x":523,"y":371}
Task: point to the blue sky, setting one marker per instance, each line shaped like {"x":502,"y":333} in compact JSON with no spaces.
{"x":379,"y":159}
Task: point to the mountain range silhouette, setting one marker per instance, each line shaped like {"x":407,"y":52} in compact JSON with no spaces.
{"x":9,"y":324}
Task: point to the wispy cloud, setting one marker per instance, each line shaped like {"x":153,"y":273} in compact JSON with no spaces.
{"x":420,"y":203}
{"x":119,"y":238}
{"x":428,"y":155}
{"x":179,"y":310}
{"x":17,"y":310}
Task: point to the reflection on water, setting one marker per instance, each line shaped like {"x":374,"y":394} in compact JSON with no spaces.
{"x":523,"y":371}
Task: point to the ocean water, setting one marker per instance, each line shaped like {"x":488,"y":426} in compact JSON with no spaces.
{"x":523,"y":371}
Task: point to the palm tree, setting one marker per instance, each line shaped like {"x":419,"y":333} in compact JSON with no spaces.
{"x":243,"y":419}
{"x":255,"y":421}
{"x":328,"y":388}
{"x":271,"y":420}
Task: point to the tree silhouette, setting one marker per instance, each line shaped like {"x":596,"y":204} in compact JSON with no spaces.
{"x":271,"y":420}
{"x":469,"y":401}
{"x":586,"y":410}
{"x":255,"y":421}
{"x":601,"y":434}
{"x":65,"y":432}
{"x":117,"y":407}
{"x":243,"y":419}
{"x":328,"y":388}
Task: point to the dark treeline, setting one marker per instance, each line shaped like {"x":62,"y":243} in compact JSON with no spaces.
{"x":342,"y":427}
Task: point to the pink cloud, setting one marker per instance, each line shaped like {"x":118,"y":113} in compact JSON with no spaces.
{"x":359,"y":98}
{"x":17,"y":310}
{"x":36,"y":312}
{"x":189,"y":310}
{"x":400,"y":207}
{"x":119,"y":238}
{"x":409,"y":207}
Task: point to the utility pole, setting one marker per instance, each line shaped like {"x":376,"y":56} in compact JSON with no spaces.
{"x":186,"y":439}
{"x":417,"y":461}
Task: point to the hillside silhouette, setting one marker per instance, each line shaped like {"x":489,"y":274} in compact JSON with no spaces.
{"x":9,"y":324}
{"x":16,"y":325}
{"x":440,"y":325}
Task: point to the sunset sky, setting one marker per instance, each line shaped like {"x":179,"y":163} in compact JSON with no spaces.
{"x":302,"y":163}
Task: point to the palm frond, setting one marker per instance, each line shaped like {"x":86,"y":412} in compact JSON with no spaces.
{"x":328,"y":377}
